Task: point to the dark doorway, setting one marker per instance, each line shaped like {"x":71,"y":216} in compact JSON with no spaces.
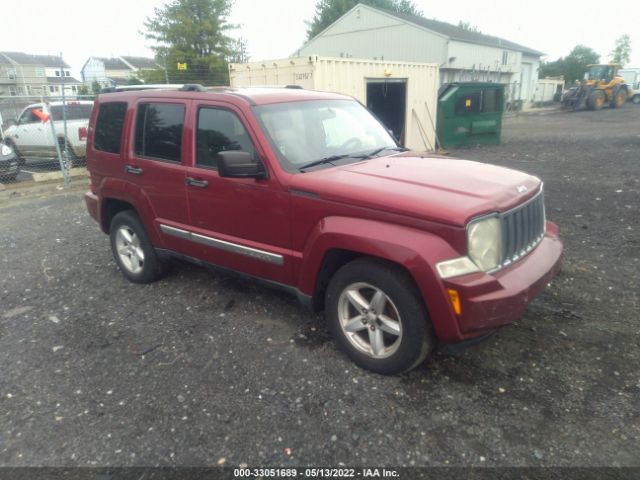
{"x":387,"y":99}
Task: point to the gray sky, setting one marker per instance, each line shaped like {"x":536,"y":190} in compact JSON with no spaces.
{"x":276,"y":28}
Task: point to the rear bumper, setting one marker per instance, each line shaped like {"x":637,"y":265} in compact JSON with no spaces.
{"x":489,"y":301}
{"x":91,"y":199}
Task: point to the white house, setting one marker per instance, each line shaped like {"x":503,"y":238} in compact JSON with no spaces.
{"x":115,"y":71}
{"x":463,"y":55}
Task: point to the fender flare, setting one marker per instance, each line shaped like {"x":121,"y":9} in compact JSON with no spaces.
{"x":417,"y":251}
{"x":116,"y":189}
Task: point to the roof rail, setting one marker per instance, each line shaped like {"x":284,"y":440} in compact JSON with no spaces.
{"x":189,"y":87}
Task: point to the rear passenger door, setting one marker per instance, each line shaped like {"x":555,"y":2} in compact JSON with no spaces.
{"x":156,"y":164}
{"x":239,"y":223}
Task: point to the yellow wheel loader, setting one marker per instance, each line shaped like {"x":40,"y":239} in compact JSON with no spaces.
{"x":601,"y":85}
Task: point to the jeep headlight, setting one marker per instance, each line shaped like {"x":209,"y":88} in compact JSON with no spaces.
{"x":484,"y":240}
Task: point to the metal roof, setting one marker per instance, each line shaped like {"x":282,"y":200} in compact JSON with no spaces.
{"x":113,"y":63}
{"x":455,"y":32}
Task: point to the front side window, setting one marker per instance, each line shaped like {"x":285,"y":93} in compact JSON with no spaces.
{"x":109,"y":125}
{"x":29,"y":117}
{"x":303,"y":132}
{"x":218,"y":131}
{"x":159,"y":131}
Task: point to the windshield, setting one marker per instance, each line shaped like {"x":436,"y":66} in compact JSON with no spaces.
{"x":599,"y":72}
{"x":304,"y":132}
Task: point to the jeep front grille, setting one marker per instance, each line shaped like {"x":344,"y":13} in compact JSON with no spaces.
{"x":522,"y":229}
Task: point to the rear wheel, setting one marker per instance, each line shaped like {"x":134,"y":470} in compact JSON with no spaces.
{"x":132,"y":249}
{"x":596,"y":100}
{"x":619,"y":98}
{"x":636,"y":99}
{"x":377,"y":316}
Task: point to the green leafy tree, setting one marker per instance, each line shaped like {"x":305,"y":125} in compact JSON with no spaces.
{"x":328,"y":11}
{"x":467,"y":26}
{"x":192,"y":40}
{"x":573,"y":66}
{"x":96,"y":87}
{"x":622,"y":51}
{"x":83,"y":90}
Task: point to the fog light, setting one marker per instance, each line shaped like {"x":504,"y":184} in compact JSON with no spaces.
{"x":454,"y":298}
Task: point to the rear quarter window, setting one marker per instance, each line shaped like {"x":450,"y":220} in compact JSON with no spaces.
{"x":109,"y":125}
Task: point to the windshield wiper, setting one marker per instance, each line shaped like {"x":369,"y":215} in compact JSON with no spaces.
{"x":362,"y":156}
{"x":380,"y":150}
{"x":322,"y":161}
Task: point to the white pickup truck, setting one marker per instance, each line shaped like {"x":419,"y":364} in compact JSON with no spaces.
{"x":31,"y":137}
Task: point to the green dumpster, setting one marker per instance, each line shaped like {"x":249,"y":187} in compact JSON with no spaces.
{"x":470,"y":114}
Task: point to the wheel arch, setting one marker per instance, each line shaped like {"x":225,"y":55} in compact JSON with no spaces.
{"x":339,"y":240}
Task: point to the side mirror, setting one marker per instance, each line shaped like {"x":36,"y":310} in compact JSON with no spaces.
{"x":239,"y":164}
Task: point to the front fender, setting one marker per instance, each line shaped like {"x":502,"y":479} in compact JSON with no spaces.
{"x":416,"y":250}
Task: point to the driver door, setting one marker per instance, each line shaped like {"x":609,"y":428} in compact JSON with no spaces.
{"x":239,"y":223}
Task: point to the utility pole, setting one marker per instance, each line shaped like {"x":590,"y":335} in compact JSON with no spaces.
{"x":64,"y":123}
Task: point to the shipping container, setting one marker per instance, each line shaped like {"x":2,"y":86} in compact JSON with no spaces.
{"x":402,"y":95}
{"x":548,"y":90}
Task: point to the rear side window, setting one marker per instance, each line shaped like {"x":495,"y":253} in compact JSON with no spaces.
{"x":78,"y":111}
{"x":109,"y":126}
{"x":159,"y":131}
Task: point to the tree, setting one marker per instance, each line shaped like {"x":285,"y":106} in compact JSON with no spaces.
{"x":573,"y":66}
{"x":96,"y":87}
{"x":467,"y":26}
{"x":238,"y":52}
{"x":328,"y":11}
{"x":622,"y":51}
{"x":192,"y":40}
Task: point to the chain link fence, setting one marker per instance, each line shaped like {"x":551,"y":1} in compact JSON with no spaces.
{"x":42,"y":135}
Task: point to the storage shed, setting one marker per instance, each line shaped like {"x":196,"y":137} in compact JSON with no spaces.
{"x":402,"y":95}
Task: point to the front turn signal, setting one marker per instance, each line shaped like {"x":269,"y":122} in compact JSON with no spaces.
{"x":454,"y":298}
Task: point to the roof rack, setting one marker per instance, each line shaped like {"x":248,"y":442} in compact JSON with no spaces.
{"x":187,"y":87}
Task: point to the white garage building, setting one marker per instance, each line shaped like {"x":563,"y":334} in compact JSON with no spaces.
{"x":463,"y":55}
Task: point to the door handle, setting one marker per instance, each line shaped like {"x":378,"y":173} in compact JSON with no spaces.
{"x":132,"y":170}
{"x":197,"y":183}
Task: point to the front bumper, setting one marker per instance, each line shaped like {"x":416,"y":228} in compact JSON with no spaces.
{"x":489,"y":301}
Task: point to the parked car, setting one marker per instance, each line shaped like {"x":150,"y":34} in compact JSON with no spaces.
{"x":307,"y":191}
{"x":30,"y":136}
{"x":9,"y":166}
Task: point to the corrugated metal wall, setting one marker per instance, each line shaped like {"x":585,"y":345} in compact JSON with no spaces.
{"x":366,"y":33}
{"x":350,"y":77}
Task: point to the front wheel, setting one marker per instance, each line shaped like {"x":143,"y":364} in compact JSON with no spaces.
{"x":377,"y":316}
{"x":619,"y":98}
{"x":132,"y":249}
{"x":636,"y":99}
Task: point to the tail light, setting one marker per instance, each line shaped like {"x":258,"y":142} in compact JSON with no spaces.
{"x":82,"y":133}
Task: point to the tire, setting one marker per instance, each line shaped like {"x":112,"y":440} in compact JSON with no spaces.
{"x":10,"y":143}
{"x":636,"y":99}
{"x":132,"y":250}
{"x":619,"y":98}
{"x":390,"y":317}
{"x":596,"y":100}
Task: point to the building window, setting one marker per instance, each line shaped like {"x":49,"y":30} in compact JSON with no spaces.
{"x":11,"y":74}
{"x":39,"y":72}
{"x":57,"y":73}
{"x":505,"y":57}
{"x":12,"y":91}
{"x":67,"y":74}
{"x":53,"y":89}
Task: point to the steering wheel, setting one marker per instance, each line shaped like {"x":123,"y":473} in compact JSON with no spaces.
{"x":353,"y":142}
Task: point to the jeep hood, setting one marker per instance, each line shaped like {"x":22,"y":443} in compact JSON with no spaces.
{"x":442,"y":189}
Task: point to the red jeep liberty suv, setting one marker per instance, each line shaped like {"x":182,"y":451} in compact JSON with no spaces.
{"x":309,"y":192}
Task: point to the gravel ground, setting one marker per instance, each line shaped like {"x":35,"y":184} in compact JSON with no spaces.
{"x":201,"y":368}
